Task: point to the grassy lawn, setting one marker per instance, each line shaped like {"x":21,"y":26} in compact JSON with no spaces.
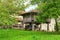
{"x":12,"y":34}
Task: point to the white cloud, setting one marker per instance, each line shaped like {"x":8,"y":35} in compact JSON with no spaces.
{"x":31,"y":7}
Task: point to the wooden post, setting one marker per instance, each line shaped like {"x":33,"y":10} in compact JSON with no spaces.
{"x":24,"y":26}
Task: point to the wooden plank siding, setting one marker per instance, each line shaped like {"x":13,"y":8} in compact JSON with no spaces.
{"x":29,"y":17}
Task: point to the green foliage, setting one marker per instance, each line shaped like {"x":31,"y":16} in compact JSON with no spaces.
{"x":6,"y":19}
{"x":7,"y":8}
{"x":48,"y":9}
{"x":41,"y":18}
{"x":13,"y":6}
{"x":35,"y":1}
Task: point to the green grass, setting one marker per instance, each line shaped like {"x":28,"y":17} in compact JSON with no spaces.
{"x":12,"y":34}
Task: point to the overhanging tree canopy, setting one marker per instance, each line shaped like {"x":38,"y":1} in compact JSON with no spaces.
{"x":8,"y":7}
{"x":47,"y":9}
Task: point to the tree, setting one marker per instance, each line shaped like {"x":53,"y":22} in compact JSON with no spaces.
{"x":48,"y":9}
{"x":7,"y":8}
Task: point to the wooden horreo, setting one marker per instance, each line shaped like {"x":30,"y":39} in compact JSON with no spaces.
{"x":29,"y":18}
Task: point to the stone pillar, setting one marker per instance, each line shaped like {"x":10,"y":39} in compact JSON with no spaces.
{"x":33,"y":27}
{"x":52,"y":25}
{"x":43,"y":27}
{"x":24,"y":26}
{"x":39,"y":26}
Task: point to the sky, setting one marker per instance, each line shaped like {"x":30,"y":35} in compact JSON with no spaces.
{"x":31,"y":7}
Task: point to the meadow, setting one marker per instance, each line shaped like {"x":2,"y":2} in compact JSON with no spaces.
{"x":13,"y":34}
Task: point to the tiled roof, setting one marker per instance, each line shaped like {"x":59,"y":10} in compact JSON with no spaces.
{"x":23,"y":12}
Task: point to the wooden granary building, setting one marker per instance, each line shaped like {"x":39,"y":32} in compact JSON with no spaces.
{"x":29,"y":18}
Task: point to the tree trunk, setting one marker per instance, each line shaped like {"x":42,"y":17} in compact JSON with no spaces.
{"x":40,"y":27}
{"x":47,"y":26}
{"x":56,"y":26}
